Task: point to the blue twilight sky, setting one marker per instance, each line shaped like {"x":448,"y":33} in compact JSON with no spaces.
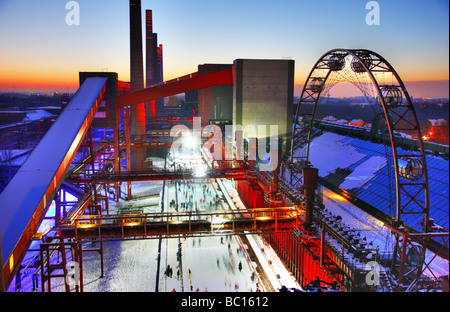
{"x":39,"y":50}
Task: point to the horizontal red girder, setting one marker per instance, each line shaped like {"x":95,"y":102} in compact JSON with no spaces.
{"x":176,"y":86}
{"x":159,"y":175}
{"x":239,"y":226}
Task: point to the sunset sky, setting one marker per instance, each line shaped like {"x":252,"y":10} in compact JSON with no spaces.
{"x":40,"y":52}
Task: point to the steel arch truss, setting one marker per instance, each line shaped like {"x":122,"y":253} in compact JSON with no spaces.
{"x":410,"y":169}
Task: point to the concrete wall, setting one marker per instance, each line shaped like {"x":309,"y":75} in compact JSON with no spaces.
{"x":263,"y":95}
{"x":215,"y":102}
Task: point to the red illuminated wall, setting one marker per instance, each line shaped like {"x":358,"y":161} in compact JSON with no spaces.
{"x":299,"y":258}
{"x":302,"y":259}
{"x":251,"y":195}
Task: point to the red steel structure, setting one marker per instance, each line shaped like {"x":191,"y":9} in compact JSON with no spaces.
{"x":179,"y":85}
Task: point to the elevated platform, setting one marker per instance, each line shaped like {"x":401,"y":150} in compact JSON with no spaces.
{"x":159,"y":175}
{"x":154,"y":225}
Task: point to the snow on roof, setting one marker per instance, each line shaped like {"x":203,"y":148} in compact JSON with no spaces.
{"x":328,"y":153}
{"x":38,"y":114}
{"x":329,"y":118}
{"x":364,"y":172}
{"x":437,"y":122}
{"x":355,"y":121}
{"x":49,"y":107}
{"x":11,"y":112}
{"x":403,"y":135}
{"x":356,"y":165}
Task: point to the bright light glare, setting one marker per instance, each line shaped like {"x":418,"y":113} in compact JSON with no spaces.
{"x":217,"y":220}
{"x":190,"y":141}
{"x":132,"y":223}
{"x":200,"y":171}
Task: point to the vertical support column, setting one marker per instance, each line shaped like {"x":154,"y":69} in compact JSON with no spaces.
{"x":79,"y":256}
{"x":402,"y":261}
{"x":322,"y":247}
{"x":301,"y":265}
{"x":310,"y":176}
{"x":126,"y":116}
{"x":105,"y":187}
{"x":58,"y":207}
{"x":91,"y":148}
{"x":117,"y":152}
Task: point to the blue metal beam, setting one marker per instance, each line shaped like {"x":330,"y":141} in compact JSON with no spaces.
{"x":24,"y":201}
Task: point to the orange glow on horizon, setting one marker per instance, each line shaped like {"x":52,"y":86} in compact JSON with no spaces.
{"x":66,"y":80}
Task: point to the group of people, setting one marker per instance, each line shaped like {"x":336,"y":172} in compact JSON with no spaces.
{"x":195,"y":196}
{"x":187,"y":200}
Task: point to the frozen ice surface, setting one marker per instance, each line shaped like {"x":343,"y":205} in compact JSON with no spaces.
{"x":214,"y":262}
{"x":129,"y":266}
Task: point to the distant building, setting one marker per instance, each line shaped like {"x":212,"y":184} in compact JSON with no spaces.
{"x":9,"y":117}
{"x":24,"y":128}
{"x":435,"y":130}
{"x":329,"y":119}
{"x":356,"y":122}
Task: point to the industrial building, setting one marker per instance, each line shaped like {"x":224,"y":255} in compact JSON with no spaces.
{"x":152,"y":199}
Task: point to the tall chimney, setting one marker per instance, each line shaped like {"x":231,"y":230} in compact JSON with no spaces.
{"x":150,"y":50}
{"x":137,"y":82}
{"x":150,"y":43}
{"x":160,"y":77}
{"x":160,"y":63}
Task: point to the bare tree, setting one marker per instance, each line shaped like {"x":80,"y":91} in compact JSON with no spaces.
{"x":6,"y":167}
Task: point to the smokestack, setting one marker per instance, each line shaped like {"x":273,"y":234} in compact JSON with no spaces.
{"x":150,"y":50}
{"x":160,"y":78}
{"x":154,"y":70}
{"x":136,"y":59}
{"x":160,"y":63}
{"x":137,"y":82}
{"x":150,"y":60}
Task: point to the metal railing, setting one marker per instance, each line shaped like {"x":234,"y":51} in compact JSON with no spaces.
{"x":148,"y":225}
